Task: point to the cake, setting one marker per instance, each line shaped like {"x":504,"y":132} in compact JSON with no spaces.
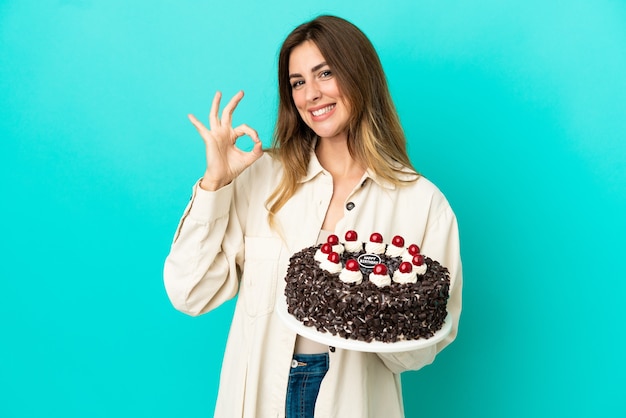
{"x":367,"y":291}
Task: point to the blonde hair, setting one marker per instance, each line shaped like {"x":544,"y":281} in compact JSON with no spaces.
{"x":375,"y":137}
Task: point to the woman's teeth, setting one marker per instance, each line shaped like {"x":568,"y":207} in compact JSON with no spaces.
{"x":323,"y":110}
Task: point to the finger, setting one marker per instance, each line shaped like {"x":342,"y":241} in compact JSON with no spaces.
{"x":257,"y":150}
{"x":214,"y":119}
{"x":199,"y":126}
{"x":244,"y":129}
{"x":227,"y":113}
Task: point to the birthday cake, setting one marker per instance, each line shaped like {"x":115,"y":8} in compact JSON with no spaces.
{"x":368,"y":291}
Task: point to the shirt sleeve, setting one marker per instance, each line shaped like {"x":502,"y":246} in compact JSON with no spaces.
{"x":202,"y":269}
{"x":441,"y":243}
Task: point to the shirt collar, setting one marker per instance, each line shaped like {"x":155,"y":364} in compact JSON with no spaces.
{"x":369,"y":173}
{"x":315,"y":168}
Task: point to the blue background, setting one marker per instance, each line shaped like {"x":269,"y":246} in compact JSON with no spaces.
{"x":516,"y":110}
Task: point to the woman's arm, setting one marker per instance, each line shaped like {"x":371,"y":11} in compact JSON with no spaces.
{"x":202,"y":268}
{"x":441,"y":243}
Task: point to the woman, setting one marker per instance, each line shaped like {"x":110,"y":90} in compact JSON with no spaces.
{"x":338,"y":163}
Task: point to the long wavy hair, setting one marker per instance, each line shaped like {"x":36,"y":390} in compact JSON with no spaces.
{"x":375,"y":137}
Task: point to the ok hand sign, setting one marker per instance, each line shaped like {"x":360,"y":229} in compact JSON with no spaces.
{"x":224,"y":160}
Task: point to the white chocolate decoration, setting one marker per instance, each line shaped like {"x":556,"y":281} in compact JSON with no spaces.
{"x":374,"y":247}
{"x":406,"y":256}
{"x":338,"y":249}
{"x":353,"y":246}
{"x":400,"y":277}
{"x":420,"y":269}
{"x":329,"y":266}
{"x":393,"y":251}
{"x":348,"y":276}
{"x":320,"y":256}
{"x":380,"y":280}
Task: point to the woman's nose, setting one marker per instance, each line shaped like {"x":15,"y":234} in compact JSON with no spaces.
{"x":312,"y":91}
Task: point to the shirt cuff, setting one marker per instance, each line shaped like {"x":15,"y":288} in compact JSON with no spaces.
{"x":207,"y":206}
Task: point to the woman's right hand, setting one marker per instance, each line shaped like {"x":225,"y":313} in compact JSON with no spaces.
{"x":224,"y":160}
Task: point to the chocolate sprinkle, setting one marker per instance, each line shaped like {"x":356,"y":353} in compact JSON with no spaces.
{"x":366,"y":312}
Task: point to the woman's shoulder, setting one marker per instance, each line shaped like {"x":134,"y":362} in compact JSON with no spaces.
{"x":425,"y":184}
{"x":409,"y":181}
{"x":426,"y":191}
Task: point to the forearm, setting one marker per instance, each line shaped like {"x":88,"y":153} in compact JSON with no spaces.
{"x":441,"y":243}
{"x":200,"y":271}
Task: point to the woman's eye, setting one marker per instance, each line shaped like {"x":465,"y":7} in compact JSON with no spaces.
{"x":325,"y":74}
{"x":297,"y":84}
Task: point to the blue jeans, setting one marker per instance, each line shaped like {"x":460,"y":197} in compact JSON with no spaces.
{"x":305,"y":378}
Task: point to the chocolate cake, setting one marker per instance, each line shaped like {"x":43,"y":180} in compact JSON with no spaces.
{"x":367,"y":291}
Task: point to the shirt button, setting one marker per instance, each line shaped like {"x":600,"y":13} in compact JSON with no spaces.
{"x":350,"y":205}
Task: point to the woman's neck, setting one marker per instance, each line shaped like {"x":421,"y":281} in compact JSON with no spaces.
{"x":335,"y":157}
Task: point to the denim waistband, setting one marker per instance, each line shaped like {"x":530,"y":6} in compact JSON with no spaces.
{"x":310,"y":363}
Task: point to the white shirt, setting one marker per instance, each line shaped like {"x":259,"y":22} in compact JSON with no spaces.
{"x":224,"y":246}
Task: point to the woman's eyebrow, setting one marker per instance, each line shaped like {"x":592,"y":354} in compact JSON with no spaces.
{"x":314,"y":69}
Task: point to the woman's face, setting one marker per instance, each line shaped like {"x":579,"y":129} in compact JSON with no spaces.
{"x":316,"y":94}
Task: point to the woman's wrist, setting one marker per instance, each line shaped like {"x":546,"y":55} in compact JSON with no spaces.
{"x":212,"y":186}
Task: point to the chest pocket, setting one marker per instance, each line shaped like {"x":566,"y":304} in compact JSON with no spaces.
{"x":260,"y":274}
